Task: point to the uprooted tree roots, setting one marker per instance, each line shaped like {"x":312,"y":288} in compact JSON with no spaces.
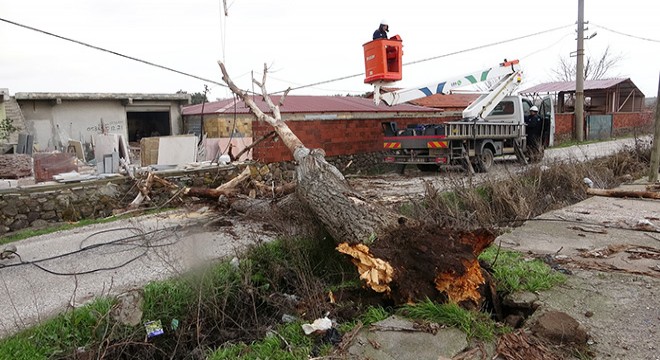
{"x":424,"y":262}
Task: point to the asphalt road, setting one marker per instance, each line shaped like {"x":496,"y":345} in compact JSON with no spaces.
{"x":73,"y":267}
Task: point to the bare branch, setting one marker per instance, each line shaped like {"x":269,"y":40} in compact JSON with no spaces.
{"x":594,"y":67}
{"x":284,"y":96}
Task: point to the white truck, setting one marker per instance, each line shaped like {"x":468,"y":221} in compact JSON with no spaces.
{"x":493,"y":125}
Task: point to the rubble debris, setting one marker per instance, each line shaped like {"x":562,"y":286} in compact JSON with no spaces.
{"x":559,"y":328}
{"x":128,"y":309}
{"x":15,"y":166}
{"x":518,"y":346}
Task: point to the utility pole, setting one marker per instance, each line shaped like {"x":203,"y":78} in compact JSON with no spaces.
{"x":655,"y":151}
{"x":579,"y":75}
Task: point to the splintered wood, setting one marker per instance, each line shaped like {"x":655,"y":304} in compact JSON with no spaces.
{"x":377,"y":273}
{"x":463,"y":287}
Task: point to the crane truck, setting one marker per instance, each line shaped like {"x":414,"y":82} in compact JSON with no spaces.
{"x":491,"y":126}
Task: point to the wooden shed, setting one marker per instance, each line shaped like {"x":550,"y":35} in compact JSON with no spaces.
{"x":603,"y":96}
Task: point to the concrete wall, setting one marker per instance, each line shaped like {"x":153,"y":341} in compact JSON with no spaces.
{"x":50,"y":122}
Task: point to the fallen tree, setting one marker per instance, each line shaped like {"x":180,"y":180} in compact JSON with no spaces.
{"x":394,"y":254}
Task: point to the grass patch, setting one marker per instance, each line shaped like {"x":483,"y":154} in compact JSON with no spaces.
{"x":286,"y":342}
{"x":56,"y":337}
{"x":374,"y":314}
{"x":512,"y":272}
{"x":474,"y":324}
{"x":28,"y":233}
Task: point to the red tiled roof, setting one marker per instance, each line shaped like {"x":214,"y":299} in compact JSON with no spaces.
{"x":559,"y":86}
{"x":304,"y":104}
{"x":460,"y":101}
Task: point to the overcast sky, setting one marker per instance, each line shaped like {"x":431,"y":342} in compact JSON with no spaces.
{"x":305,"y":41}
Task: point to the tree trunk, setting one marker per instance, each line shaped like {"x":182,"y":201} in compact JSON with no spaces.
{"x":440,"y":262}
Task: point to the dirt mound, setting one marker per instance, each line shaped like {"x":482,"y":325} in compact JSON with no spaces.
{"x":433,"y":262}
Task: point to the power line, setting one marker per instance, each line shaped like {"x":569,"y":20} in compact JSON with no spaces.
{"x":624,"y":34}
{"x":291,"y":89}
{"x":436,"y":57}
{"x":114,"y":52}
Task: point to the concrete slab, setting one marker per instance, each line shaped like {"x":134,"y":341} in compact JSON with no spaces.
{"x":398,"y":338}
{"x":600,"y":232}
{"x":612,"y":247}
{"x":177,"y":150}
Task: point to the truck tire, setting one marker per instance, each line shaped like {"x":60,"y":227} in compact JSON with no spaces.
{"x":428,"y":167}
{"x":485,"y":160}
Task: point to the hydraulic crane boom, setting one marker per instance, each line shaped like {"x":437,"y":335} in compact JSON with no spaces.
{"x":509,"y":76}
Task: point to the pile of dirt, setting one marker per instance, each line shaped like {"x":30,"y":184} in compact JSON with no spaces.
{"x":424,"y":258}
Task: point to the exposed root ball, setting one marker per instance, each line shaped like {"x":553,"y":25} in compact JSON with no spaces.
{"x":435,"y":263}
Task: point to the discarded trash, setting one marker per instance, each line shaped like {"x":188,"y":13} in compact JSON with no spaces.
{"x":286,"y":318}
{"x":174,"y":324}
{"x":332,"y":336}
{"x":319,"y":325}
{"x":645,"y":225}
{"x":235,"y":262}
{"x":588,"y":182}
{"x":153,"y":328}
{"x":224,"y":159}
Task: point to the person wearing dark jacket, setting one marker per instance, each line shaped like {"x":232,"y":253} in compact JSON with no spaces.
{"x":381,"y":33}
{"x":534,"y":133}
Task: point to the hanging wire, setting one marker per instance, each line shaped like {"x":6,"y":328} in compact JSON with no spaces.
{"x":624,"y":34}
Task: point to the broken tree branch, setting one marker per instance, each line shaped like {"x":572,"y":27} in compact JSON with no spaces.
{"x":624,"y":193}
{"x":249,"y":147}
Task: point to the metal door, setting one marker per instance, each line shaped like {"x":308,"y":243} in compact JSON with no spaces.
{"x":599,"y":127}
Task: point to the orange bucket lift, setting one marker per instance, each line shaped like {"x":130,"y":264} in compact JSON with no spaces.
{"x":382,"y":60}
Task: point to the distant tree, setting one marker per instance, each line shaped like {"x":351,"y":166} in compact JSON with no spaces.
{"x":594,"y":67}
{"x":198,"y":98}
{"x":195,"y":98}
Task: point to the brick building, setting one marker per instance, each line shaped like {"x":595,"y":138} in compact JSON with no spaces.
{"x":339,"y":125}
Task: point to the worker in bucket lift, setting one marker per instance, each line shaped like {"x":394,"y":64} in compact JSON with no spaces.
{"x":381,"y":33}
{"x":534,"y":131}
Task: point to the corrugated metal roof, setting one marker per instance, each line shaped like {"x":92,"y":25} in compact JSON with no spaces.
{"x":304,"y":104}
{"x":558,"y":86}
{"x":447,"y":101}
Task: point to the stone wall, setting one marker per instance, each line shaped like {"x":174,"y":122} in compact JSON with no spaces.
{"x":44,"y":205}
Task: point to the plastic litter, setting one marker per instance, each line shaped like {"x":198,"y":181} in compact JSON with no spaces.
{"x":154,"y":328}
{"x":286,"y":318}
{"x":319,"y":325}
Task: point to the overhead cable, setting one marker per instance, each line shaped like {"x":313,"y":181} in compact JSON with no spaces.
{"x":435,"y":57}
{"x":114,"y":53}
{"x":624,"y":34}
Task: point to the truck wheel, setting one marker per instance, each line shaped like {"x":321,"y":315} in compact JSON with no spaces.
{"x":427,"y":167}
{"x":400,"y":169}
{"x":485,"y":160}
